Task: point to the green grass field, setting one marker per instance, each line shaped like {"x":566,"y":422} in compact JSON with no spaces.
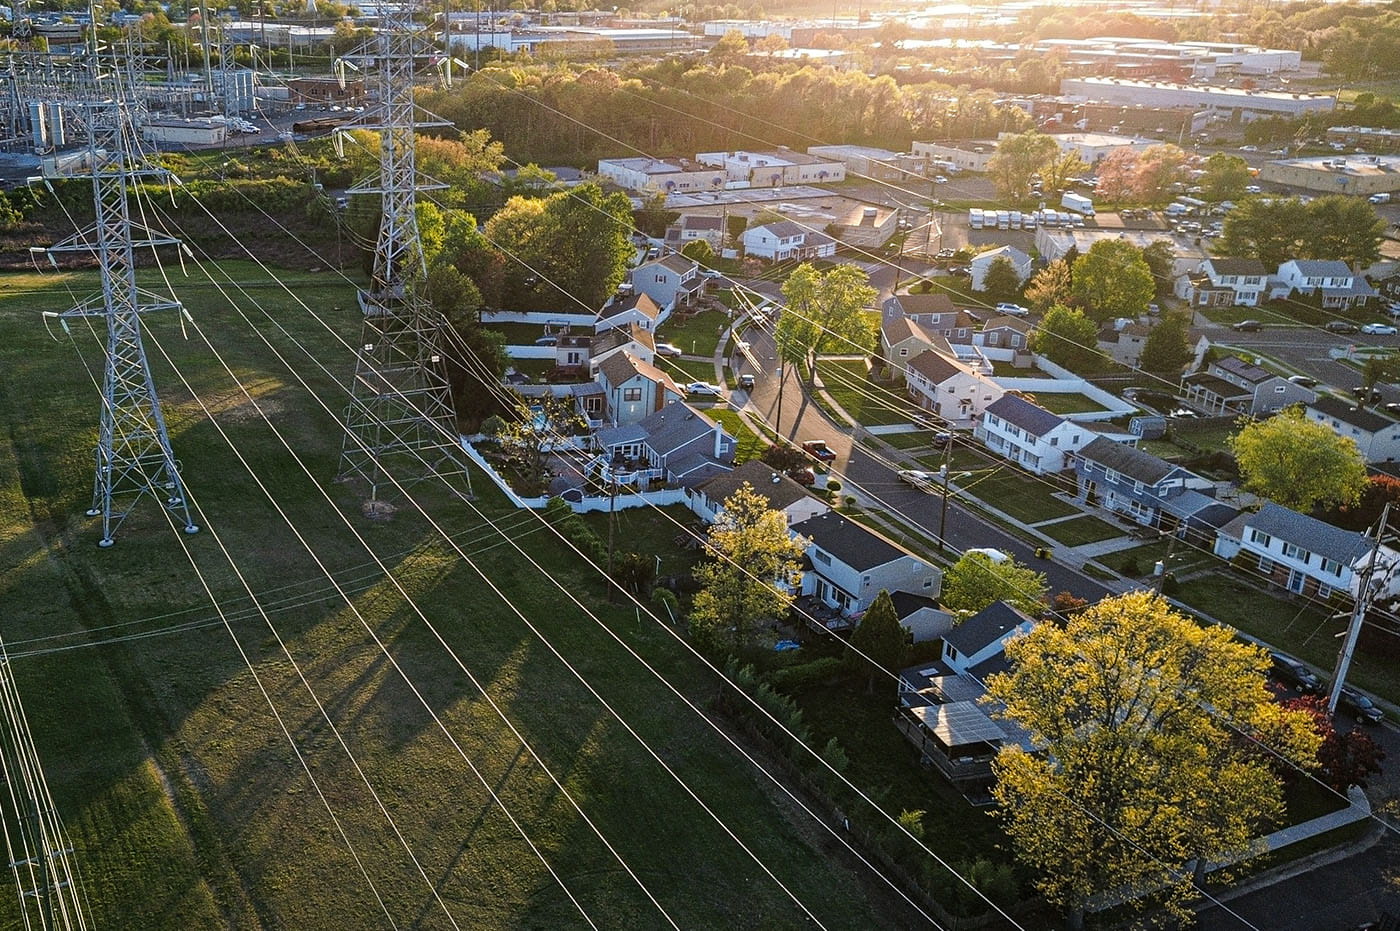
{"x":1081,"y":530}
{"x":186,"y":806}
{"x":848,"y":383}
{"x":1065,"y":403}
{"x":697,"y":335}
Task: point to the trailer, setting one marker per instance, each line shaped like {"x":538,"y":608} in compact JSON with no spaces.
{"x":1078,"y":203}
{"x":975,"y":218}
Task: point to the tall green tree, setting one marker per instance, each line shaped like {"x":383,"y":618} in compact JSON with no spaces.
{"x":745,"y":581}
{"x":1112,"y":280}
{"x":1001,"y":282}
{"x":1226,"y":177}
{"x":1067,"y":337}
{"x":1299,"y":463}
{"x":1268,"y":229}
{"x":1159,"y":168}
{"x":824,"y":312}
{"x":1141,"y":768}
{"x":975,"y":582}
{"x":1343,"y":227}
{"x":1161,"y":261}
{"x":1167,"y":350}
{"x":1055,"y":174}
{"x":566,"y":252}
{"x":1050,"y":286}
{"x":1019,"y":156}
{"x":879,"y":642}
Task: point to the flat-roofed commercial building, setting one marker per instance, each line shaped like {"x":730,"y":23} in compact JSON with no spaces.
{"x":1352,"y":174}
{"x":1240,"y":104}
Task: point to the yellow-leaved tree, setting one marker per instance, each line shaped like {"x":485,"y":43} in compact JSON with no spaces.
{"x":1149,"y":733}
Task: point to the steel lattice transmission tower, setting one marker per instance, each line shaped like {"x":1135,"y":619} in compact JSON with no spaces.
{"x":35,"y":841}
{"x":401,"y":425}
{"x":133,"y":449}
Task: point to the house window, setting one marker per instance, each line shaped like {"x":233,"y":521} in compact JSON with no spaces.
{"x":631,"y":394}
{"x":904,"y":352}
{"x":1331,"y":566}
{"x":1294,"y":551}
{"x":1266,"y":564}
{"x":573,"y":358}
{"x":1278,"y":389}
{"x":823,"y":558}
{"x":928,"y":582}
{"x":1263,"y":539}
{"x":1054,"y":441}
{"x":865,"y":580}
{"x":593,"y":405}
{"x":1324,"y":590}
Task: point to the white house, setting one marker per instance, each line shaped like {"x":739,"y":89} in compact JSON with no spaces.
{"x":784,"y":239}
{"x":1299,"y":553}
{"x":1224,"y":282}
{"x":1338,"y":285}
{"x":949,"y":388}
{"x":1031,"y":436}
{"x":983,"y":636}
{"x":781,"y":493}
{"x":1377,"y":436}
{"x":851,"y":565}
{"x":982,"y":263}
{"x":635,"y":389}
{"x":695,"y":226}
{"x":673,"y":281}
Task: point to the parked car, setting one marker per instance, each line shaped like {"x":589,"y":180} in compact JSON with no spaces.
{"x":1303,"y":381}
{"x":1185,"y":413}
{"x":712,"y":273}
{"x":942,"y":439}
{"x":666,"y":349}
{"x":939,"y":179}
{"x":1369,"y":395}
{"x":1287,"y":669}
{"x":924,"y":481}
{"x":1015,"y":310}
{"x":803,"y":476}
{"x":1248,"y":326}
{"x":1360,"y":707}
{"x":1379,"y":329}
{"x":746,"y":382}
{"x":818,"y":449}
{"x":1339,"y":326}
{"x":1249,"y":148}
{"x":703,"y":389}
{"x":1253,"y":189}
{"x":995,"y":555}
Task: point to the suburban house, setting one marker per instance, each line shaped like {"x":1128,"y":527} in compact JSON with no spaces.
{"x":693,"y":226}
{"x":1337,"y":285}
{"x":942,"y":706}
{"x":572,"y":350}
{"x":1377,"y":436}
{"x":784,"y":240}
{"x":1224,"y":282}
{"x":865,"y":226}
{"x":1029,"y":435}
{"x":921,"y":616}
{"x":948,"y":387}
{"x":781,"y":493}
{"x":632,"y":308}
{"x":847,"y":565}
{"x":901,"y":339}
{"x":635,"y":389}
{"x":677,"y":445}
{"x":1150,"y":491}
{"x":1004,"y":332}
{"x":934,"y":313}
{"x":1233,"y":386}
{"x":673,"y":281}
{"x":982,"y":263}
{"x":983,"y":636}
{"x":631,"y":338}
{"x":1123,"y":342}
{"x":1304,"y":555}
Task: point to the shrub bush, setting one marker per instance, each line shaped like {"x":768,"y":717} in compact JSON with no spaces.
{"x":804,"y":676}
{"x":1129,"y":567}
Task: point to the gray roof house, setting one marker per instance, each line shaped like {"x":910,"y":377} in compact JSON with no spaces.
{"x":1029,"y":435}
{"x":1337,"y":284}
{"x":1377,"y":436}
{"x":677,"y":444}
{"x":1149,"y":490}
{"x":782,"y":493}
{"x":1299,"y":553}
{"x":983,"y":636}
{"x":1233,"y":386}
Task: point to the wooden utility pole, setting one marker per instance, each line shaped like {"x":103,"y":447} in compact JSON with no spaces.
{"x":1364,"y":594}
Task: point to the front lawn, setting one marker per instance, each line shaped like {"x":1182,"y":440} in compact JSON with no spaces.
{"x":910,"y":439}
{"x":695,"y":335}
{"x":685,"y":371}
{"x":1023,"y":497}
{"x":871,"y":405}
{"x":749,"y":444}
{"x":1204,"y":435}
{"x":1067,"y":403}
{"x":1081,"y":530}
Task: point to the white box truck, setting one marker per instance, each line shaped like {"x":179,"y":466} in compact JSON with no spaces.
{"x":1381,"y":198}
{"x":974,"y":218}
{"x":1078,"y":203}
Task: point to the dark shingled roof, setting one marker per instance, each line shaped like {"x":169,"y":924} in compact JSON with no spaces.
{"x":1019,"y":412}
{"x":1350,"y":414}
{"x":847,"y":541}
{"x":906,"y":604}
{"x":933,"y":303}
{"x":1311,"y":534}
{"x":991,"y":623}
{"x":1248,"y":371}
{"x":1241,"y":267}
{"x":934,"y":366}
{"x":759,"y":476}
{"x":1126,"y":460}
{"x":639,"y":301}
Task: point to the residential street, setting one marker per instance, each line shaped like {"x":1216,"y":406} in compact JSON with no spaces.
{"x":862,"y":472}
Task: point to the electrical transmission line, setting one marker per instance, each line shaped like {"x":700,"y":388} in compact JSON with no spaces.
{"x":401,"y":425}
{"x":35,"y":842}
{"x":133,"y":453}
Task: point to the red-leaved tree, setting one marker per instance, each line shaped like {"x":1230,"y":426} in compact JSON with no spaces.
{"x":1343,"y":759}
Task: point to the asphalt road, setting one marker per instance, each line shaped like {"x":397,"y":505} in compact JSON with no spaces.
{"x":862,"y":472}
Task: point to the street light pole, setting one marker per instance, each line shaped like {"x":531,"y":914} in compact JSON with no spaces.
{"x":943,"y":511}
